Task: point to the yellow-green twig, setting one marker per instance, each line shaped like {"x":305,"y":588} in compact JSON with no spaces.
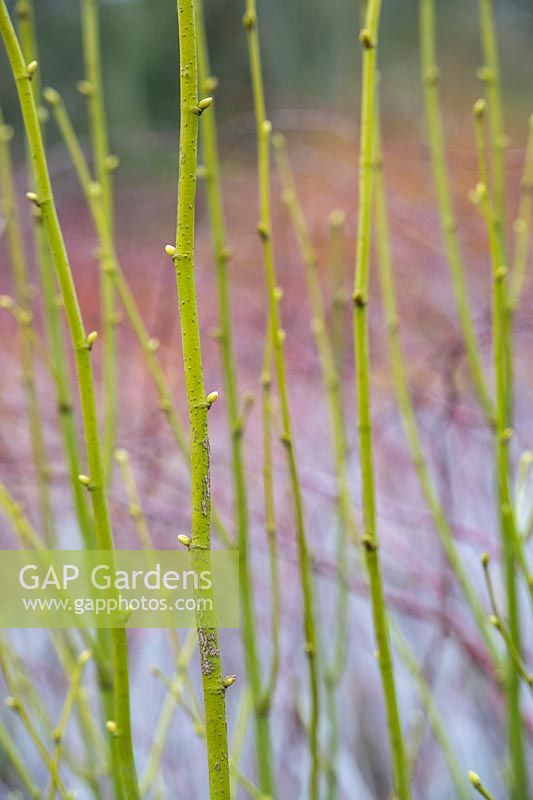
{"x":103,"y":163}
{"x":263,"y":131}
{"x":430,"y":79}
{"x":332,"y":385}
{"x":269,"y":505}
{"x":435,"y":720}
{"x":405,"y":405}
{"x":15,"y":703}
{"x":17,"y":761}
{"x":27,"y":356}
{"x":522,"y":226}
{"x":368,"y":39}
{"x":491,"y":77}
{"x":501,"y":345}
{"x":225,"y":338}
{"x":53,"y":324}
{"x":145,"y":537}
{"x":58,"y":734}
{"x":191,"y":106}
{"x":166,"y":715}
{"x":475,"y":780}
{"x":82,"y":351}
{"x":337,"y":220}
{"x":149,"y":345}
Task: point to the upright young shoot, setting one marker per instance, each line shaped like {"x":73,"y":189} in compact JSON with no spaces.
{"x":16,"y":760}
{"x":490,"y":75}
{"x":93,"y":90}
{"x":369,"y":39}
{"x":235,"y":422}
{"x":430,"y":80}
{"x":160,"y":736}
{"x":24,"y":13}
{"x":508,"y":530}
{"x":497,"y":412}
{"x":112,"y":266}
{"x":480,"y":788}
{"x":52,"y":314}
{"x":269,"y":504}
{"x":198,"y":404}
{"x":407,"y":412}
{"x":19,"y":704}
{"x":332,"y":385}
{"x":82,"y":350}
{"x":264,"y":228}
{"x":22,"y":293}
{"x":438,"y":725}
{"x":339,"y":303}
{"x":323,"y":340}
{"x":58,"y":734}
{"x":522,"y":226}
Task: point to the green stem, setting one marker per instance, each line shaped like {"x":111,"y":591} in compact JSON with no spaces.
{"x":239,"y":735}
{"x":52,"y":315}
{"x":490,"y":75}
{"x":27,"y":355}
{"x":111,"y":264}
{"x":269,"y":505}
{"x":175,"y":690}
{"x":145,"y":538}
{"x":53,"y":323}
{"x":82,"y":353}
{"x":522,"y":226}
{"x":368,"y":38}
{"x":508,"y":530}
{"x":337,"y":221}
{"x":324,"y":346}
{"x":430,"y":707}
{"x":90,"y":19}
{"x":58,"y":734}
{"x":15,"y":703}
{"x":430,"y":79}
{"x":520,"y":666}
{"x":134,"y":503}
{"x":100,"y":148}
{"x":332,"y":384}
{"x":405,"y":405}
{"x":14,"y":756}
{"x":183,"y":256}
{"x":480,"y":788}
{"x":221,"y":254}
{"x":63,"y":646}
{"x":263,"y":128}
{"x":26,"y":691}
{"x":166,"y":716}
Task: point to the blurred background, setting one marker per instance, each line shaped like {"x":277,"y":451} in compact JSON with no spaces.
{"x":312,"y":73}
{"x":310,"y":52}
